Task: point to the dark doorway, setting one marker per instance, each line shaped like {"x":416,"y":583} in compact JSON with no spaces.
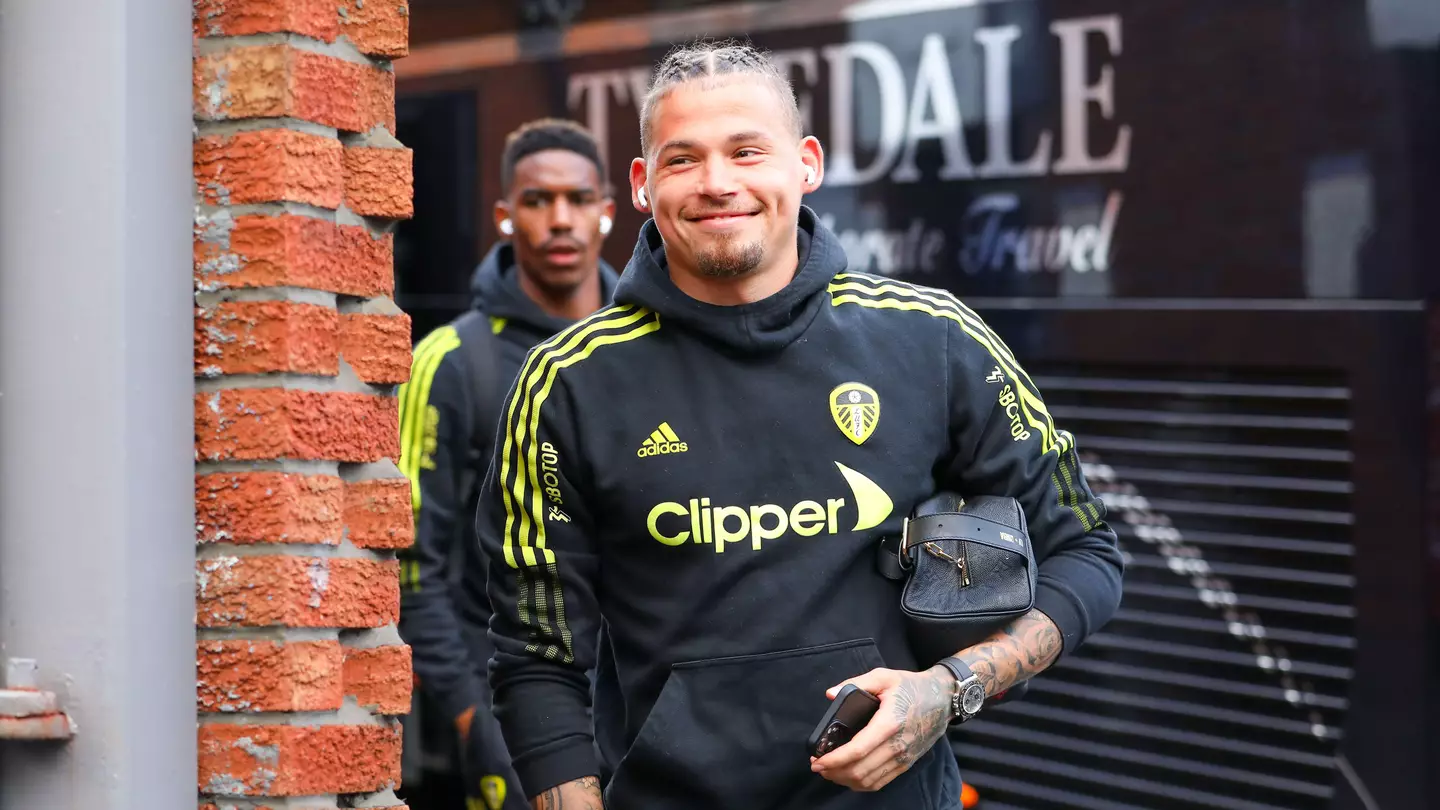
{"x":435,"y":252}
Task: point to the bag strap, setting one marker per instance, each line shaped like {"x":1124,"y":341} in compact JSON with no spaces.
{"x":970,"y":528}
{"x":887,"y":559}
{"x":482,"y":361}
{"x":945,"y":526}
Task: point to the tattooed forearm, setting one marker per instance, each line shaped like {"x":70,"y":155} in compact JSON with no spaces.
{"x":921,"y":710}
{"x":581,"y":794}
{"x":1019,"y":652}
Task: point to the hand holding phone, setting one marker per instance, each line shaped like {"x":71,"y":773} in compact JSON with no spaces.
{"x":851,"y":709}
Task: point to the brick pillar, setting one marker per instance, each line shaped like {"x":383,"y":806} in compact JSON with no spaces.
{"x":298,"y":352}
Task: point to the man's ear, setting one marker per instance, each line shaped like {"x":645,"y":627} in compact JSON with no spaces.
{"x":502,"y":216}
{"x":812,"y":155}
{"x":639,"y":197}
{"x":607,"y":216}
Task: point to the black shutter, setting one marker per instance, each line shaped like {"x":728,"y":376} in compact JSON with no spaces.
{"x":1222,"y":681}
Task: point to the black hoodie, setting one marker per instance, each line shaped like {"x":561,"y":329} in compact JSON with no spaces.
{"x":707,"y":485}
{"x":447,"y":438}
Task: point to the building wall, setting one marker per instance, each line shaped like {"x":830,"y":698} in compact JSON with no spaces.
{"x":299,"y":348}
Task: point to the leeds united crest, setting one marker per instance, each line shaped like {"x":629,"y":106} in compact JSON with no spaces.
{"x":856,"y":410}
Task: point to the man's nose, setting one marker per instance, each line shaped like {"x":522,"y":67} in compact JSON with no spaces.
{"x":562,"y":215}
{"x":717,"y":179}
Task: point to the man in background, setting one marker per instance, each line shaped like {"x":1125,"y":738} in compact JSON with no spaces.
{"x":542,"y":276}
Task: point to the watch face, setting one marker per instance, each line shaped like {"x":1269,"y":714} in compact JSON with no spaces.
{"x":974,"y":697}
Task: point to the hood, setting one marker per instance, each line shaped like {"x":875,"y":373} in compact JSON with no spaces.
{"x":495,"y":289}
{"x":767,"y":325}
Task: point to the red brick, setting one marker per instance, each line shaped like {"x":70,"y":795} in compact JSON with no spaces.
{"x":264,"y":676}
{"x":296,"y":251}
{"x":274,"y":423}
{"x":378,"y":182}
{"x":234,"y":18}
{"x":270,"y":165}
{"x":380,"y":678}
{"x":377,"y":346}
{"x":377,"y":27}
{"x":269,"y":81}
{"x":256,"y":337}
{"x":269,"y":507}
{"x":297,"y":760}
{"x":228,"y":806}
{"x":268,"y":591}
{"x":304,"y":807}
{"x":378,"y":513}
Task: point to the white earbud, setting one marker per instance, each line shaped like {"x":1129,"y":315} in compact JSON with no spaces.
{"x":809,"y":175}
{"x":506,"y":227}
{"x":641,"y":196}
{"x":605,"y":224}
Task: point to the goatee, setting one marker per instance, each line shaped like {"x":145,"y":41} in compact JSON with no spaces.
{"x":730,"y":262}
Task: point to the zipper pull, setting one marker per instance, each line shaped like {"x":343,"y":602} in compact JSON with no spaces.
{"x":964,"y":567}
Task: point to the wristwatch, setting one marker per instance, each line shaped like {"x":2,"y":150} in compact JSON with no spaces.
{"x":969,"y":695}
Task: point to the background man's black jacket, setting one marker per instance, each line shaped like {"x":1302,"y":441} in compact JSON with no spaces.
{"x":447,"y":429}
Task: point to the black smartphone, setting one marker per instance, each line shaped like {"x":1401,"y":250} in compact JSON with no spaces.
{"x":848,"y":713}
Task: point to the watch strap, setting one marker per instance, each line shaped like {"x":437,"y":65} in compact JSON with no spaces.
{"x":959,"y":668}
{"x":963,"y":676}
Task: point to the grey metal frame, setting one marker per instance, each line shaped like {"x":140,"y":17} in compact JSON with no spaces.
{"x":96,"y":390}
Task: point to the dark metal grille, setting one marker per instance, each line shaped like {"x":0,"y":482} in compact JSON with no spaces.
{"x":1222,"y":680}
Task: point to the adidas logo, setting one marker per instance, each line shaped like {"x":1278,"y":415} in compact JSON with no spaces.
{"x":661,"y":442}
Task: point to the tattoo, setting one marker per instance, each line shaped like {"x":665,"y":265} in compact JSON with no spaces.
{"x":1017,"y":653}
{"x":581,"y":794}
{"x":920,"y":709}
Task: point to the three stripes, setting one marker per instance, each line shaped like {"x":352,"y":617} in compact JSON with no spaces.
{"x":878,"y":293}
{"x":662,"y":435}
{"x":414,"y":400}
{"x":521,"y":492}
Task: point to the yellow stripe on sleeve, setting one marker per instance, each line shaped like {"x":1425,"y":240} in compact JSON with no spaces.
{"x":414,"y":399}
{"x":849,"y":288}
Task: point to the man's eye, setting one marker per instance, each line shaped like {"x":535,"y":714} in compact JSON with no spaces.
{"x":744,"y":153}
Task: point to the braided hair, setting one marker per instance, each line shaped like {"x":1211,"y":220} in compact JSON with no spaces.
{"x":713,"y":62}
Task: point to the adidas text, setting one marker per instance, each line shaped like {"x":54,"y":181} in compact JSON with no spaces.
{"x":648,"y":450}
{"x":662,"y":442}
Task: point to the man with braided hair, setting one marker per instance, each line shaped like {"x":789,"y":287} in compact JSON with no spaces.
{"x":703,"y":471}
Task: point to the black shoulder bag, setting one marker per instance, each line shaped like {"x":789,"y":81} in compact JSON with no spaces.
{"x":968,"y":568}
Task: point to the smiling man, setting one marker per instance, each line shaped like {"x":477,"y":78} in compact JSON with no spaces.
{"x":542,"y":277}
{"x":704,"y":470}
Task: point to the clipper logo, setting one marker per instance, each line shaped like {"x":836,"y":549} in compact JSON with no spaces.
{"x":856,"y":410}
{"x":697,"y":521}
{"x":1018,"y":433}
{"x":557,"y":514}
{"x":995,"y":376}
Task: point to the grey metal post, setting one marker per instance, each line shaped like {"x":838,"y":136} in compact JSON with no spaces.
{"x":96,"y":492}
